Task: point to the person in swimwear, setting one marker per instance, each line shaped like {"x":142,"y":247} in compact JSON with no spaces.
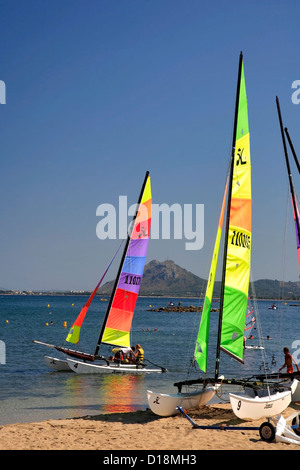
{"x":289,"y":362}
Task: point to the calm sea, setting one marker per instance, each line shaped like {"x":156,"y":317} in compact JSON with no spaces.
{"x":31,"y":392}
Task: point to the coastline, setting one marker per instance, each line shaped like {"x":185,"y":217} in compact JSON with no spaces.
{"x":141,"y":431}
{"x":24,"y":293}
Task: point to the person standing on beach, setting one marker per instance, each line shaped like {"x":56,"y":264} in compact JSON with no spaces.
{"x":288,"y":362}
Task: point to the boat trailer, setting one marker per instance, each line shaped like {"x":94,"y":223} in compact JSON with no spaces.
{"x":280,"y":430}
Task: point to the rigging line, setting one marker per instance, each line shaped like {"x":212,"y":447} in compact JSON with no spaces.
{"x":284,"y":248}
{"x":205,"y":283}
{"x":283,"y":254}
{"x":87,"y":304}
{"x":259,"y":328}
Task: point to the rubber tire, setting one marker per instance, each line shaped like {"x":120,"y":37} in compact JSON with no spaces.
{"x":267,"y":432}
{"x":296,"y":431}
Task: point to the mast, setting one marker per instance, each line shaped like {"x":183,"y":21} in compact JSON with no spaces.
{"x":228,"y":216}
{"x":292,"y":148}
{"x":120,"y":267}
{"x":288,"y":168}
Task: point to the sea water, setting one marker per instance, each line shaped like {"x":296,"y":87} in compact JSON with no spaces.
{"x":30,"y":391}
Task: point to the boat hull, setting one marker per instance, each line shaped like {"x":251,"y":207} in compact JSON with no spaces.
{"x":166,"y":405}
{"x":54,"y":363}
{"x":245,"y":407}
{"x":91,"y":368}
{"x":295,"y":387}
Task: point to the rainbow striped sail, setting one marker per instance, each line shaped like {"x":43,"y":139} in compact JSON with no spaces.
{"x":233,"y":305}
{"x":201,"y":349}
{"x":117,"y":326}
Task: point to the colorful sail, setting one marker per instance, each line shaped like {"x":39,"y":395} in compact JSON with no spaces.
{"x":297,"y":224}
{"x":73,"y":336}
{"x":124,"y":297}
{"x":201,"y":349}
{"x":237,"y":273}
{"x":292,"y":189}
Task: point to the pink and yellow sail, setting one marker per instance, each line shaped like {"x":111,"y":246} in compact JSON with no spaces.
{"x":116,"y":330}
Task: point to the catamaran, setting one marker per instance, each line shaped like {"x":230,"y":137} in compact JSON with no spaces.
{"x":59,"y":364}
{"x":116,"y":326}
{"x":278,"y":380}
{"x":234,"y":286}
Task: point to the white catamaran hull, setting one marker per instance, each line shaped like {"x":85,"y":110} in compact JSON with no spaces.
{"x":57,"y":364}
{"x":245,"y":407}
{"x":295,"y":388}
{"x":166,"y":405}
{"x":90,"y":368}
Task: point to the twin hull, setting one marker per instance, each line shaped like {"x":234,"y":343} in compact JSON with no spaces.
{"x":166,"y":405}
{"x":91,"y":368}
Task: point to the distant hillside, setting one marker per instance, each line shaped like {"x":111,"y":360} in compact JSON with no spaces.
{"x":168,"y":279}
{"x":268,"y":289}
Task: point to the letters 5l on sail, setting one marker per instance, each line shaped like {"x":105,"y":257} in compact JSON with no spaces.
{"x":237,"y":271}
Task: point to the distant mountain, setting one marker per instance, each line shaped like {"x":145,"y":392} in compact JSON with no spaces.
{"x":168,"y":279}
{"x":268,"y":289}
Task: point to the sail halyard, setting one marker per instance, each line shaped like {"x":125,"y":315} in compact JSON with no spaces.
{"x":201,"y":348}
{"x":116,"y":325}
{"x":237,"y":245}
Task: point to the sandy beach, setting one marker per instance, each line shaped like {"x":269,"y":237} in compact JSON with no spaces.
{"x":141,"y":431}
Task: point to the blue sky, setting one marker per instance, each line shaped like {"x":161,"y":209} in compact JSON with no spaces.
{"x":98,"y":92}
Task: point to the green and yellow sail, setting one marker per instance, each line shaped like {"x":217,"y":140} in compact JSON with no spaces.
{"x":201,"y":349}
{"x":237,"y":272}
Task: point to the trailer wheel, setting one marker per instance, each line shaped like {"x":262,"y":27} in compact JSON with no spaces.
{"x":296,"y":430}
{"x":267,"y":432}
